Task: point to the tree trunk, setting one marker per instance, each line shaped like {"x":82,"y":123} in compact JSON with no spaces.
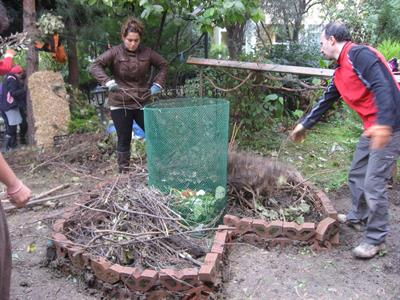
{"x":73,"y":65}
{"x":4,"y":21}
{"x":296,"y":29}
{"x":235,"y":39}
{"x":29,"y":16}
{"x":160,"y":31}
{"x":298,"y":19}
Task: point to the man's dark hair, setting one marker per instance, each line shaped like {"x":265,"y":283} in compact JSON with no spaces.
{"x":338,"y":30}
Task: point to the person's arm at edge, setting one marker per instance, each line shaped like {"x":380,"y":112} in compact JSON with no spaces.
{"x":17,"y":191}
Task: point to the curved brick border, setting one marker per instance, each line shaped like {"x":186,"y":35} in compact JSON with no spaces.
{"x":176,"y":280}
{"x":192,"y":281}
{"x":265,"y":234}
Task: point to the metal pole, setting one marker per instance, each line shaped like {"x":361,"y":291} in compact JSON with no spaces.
{"x":201,"y":85}
{"x":206,"y":45}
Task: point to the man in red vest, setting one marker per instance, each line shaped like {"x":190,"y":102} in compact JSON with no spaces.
{"x":365,"y":82}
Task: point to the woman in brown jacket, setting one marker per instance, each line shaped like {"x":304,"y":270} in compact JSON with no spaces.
{"x":130,"y":65}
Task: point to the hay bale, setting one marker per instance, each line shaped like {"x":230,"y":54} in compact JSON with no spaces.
{"x":50,"y":107}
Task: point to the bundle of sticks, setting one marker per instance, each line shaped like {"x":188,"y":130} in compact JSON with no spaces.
{"x":131,"y":224}
{"x":17,"y":41}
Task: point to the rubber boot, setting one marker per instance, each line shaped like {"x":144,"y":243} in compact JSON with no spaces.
{"x":22,"y":140}
{"x":123,"y":159}
{"x":13,"y":142}
{"x":6,"y":143}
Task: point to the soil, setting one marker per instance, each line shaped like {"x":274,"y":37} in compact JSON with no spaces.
{"x":249,"y":272}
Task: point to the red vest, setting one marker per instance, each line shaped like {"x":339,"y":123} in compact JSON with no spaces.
{"x":353,"y":90}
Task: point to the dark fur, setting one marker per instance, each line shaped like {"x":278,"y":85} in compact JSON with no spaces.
{"x":261,"y":174}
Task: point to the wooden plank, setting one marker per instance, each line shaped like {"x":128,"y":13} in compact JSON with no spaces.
{"x":264,"y":67}
{"x":260,"y":67}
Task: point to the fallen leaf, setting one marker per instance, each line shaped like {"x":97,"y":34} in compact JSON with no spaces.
{"x":32,"y":247}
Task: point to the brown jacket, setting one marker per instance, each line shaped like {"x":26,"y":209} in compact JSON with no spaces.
{"x":131,"y":71}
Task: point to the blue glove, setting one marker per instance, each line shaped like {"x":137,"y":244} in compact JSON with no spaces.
{"x":155,"y":89}
{"x":111,"y":85}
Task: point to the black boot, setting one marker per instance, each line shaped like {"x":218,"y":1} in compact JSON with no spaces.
{"x":13,"y":142}
{"x":123,"y":159}
{"x":22,"y":140}
{"x":6,"y":143}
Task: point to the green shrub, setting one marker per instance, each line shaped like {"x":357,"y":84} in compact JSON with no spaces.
{"x":389,"y":48}
{"x":84,"y":116}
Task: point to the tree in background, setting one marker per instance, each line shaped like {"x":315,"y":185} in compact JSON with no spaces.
{"x":389,"y":21}
{"x":290,"y":14}
{"x":232,"y":15}
{"x":360,"y":16}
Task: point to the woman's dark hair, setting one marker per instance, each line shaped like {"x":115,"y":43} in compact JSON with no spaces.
{"x":132,"y":24}
{"x":338,"y":30}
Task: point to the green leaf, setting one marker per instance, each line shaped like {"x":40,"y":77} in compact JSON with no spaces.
{"x":158,"y":8}
{"x":32,"y":247}
{"x":271,"y":97}
{"x":143,"y":2}
{"x":304,"y":207}
{"x":257,"y":15}
{"x":228,"y":5}
{"x":145,"y":14}
{"x":299,"y":220}
{"x":108,"y":3}
{"x":209,"y":12}
{"x":316,"y":81}
{"x":298,"y":113}
{"x":238,"y":5}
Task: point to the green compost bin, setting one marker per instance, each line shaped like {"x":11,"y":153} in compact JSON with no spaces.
{"x":187,"y":145}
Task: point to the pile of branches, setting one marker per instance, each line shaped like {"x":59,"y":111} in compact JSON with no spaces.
{"x":269,"y":189}
{"x":132,"y":225}
{"x":82,"y":154}
{"x":16,"y":41}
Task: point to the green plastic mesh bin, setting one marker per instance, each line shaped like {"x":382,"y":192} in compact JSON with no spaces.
{"x":187,"y":145}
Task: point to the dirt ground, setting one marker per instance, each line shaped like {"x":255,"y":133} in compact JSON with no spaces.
{"x":250,"y":273}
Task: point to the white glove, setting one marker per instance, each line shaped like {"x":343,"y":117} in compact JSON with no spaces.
{"x":111,"y":85}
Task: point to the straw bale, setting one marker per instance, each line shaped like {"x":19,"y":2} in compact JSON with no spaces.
{"x":50,"y":106}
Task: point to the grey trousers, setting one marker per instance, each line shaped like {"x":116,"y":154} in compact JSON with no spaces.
{"x":369,"y":173}
{"x":5,"y":258}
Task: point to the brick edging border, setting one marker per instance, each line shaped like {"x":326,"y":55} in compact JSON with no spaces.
{"x":263,"y":233}
{"x":135,"y":280}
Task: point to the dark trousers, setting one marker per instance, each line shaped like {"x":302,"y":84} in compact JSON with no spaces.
{"x":23,"y":127}
{"x":368,"y":176}
{"x":123,"y":121}
{"x":5,"y":257}
{"x":12,"y":130}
